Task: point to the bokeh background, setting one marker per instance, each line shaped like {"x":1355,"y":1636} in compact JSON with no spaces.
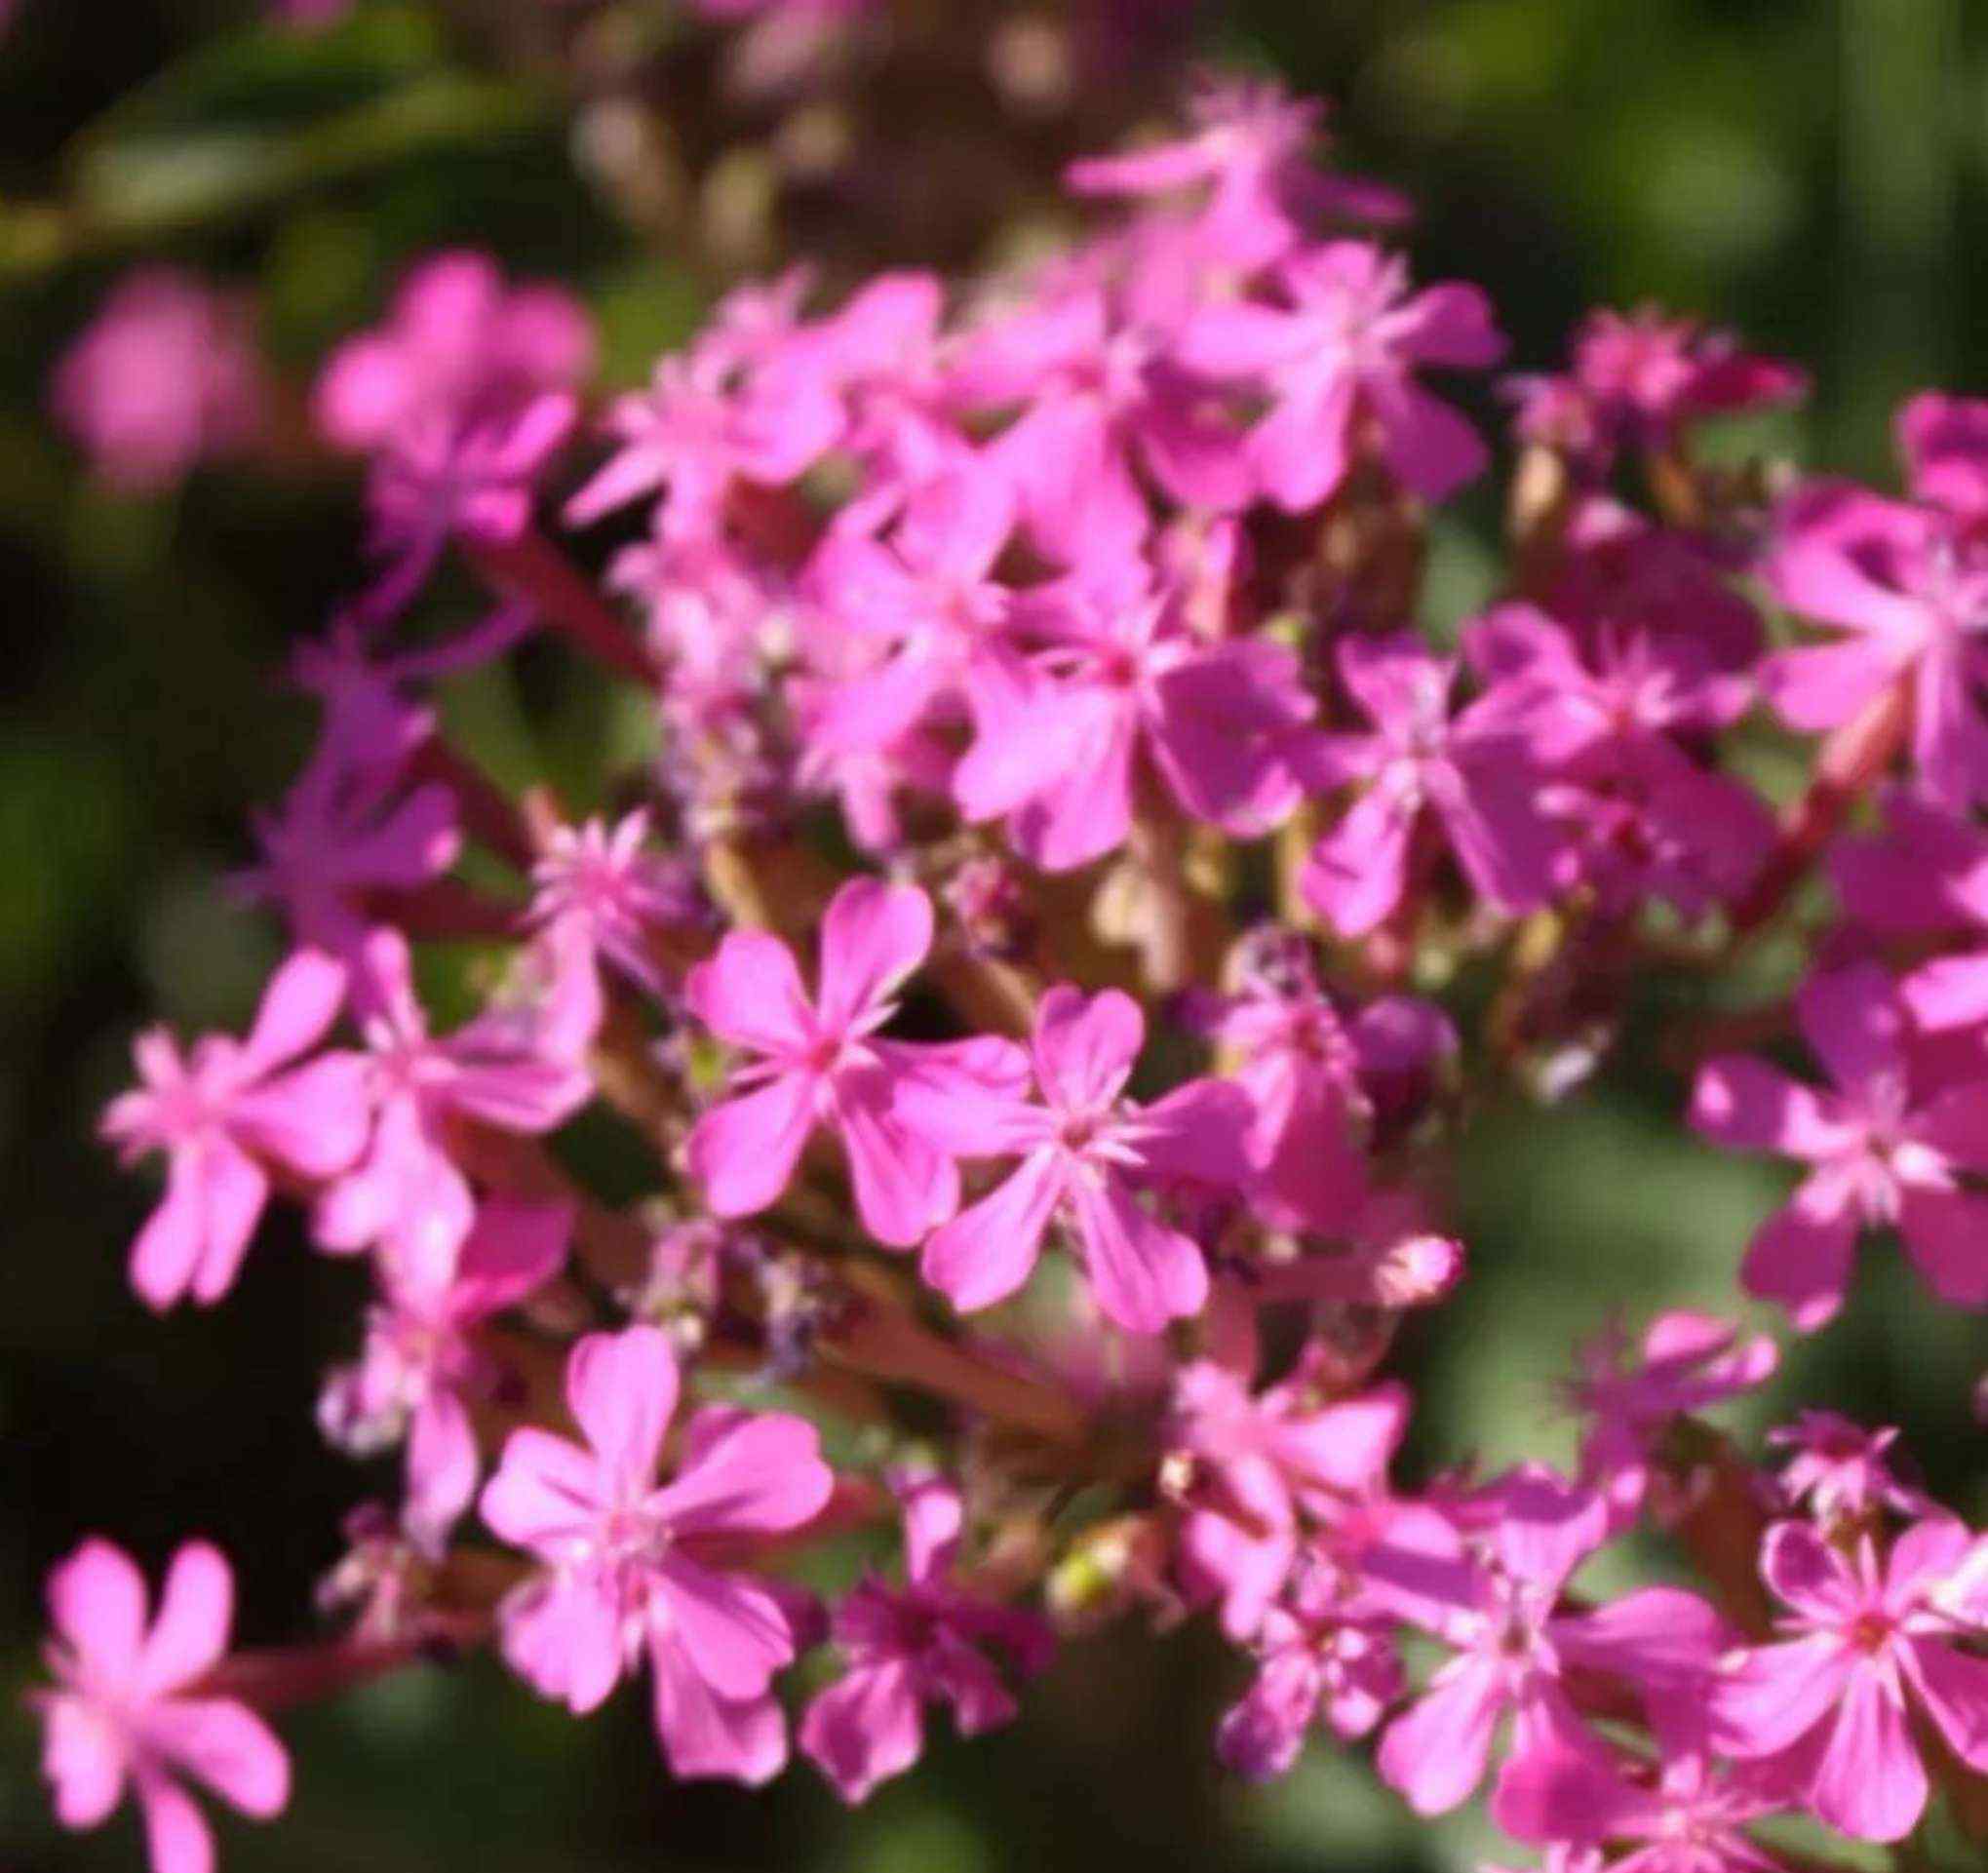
{"x":1814,"y":172}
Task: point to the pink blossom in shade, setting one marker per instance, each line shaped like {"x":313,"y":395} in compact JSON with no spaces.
{"x":1636,"y":380}
{"x":631,"y":1565}
{"x":1467,"y":773}
{"x":515,"y":1068}
{"x":166,"y":376}
{"x":702,"y":425}
{"x":457,"y":342}
{"x":927,"y":1642}
{"x":1120,"y":688}
{"x":421,"y":1366}
{"x":1319,"y":1077}
{"x":1927,"y":871}
{"x":1497,"y":1610}
{"x":1944,"y":443}
{"x":1909,"y":595}
{"x":1321,"y":1657}
{"x":820,"y":1063}
{"x":1261,"y":1466}
{"x":1630,"y":1401}
{"x":1250,"y":151}
{"x":349,"y":831}
{"x":605,"y":884}
{"x":126,"y":1709}
{"x":1687,"y":1813}
{"x":1085,"y":1150}
{"x":1842,"y":1470}
{"x":1337,"y":360}
{"x":1883,"y":1150}
{"x":1869,"y":1648}
{"x":1101,"y":400}
{"x":232,"y":1117}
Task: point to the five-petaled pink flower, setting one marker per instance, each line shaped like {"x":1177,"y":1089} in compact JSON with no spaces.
{"x":1474,"y":774}
{"x":127,"y":1708}
{"x":632,"y":1565}
{"x":1085,"y":1152}
{"x":923,"y":1642}
{"x":820,"y":1063}
{"x":230,"y":1115}
{"x":1886,"y":1146}
{"x":1868,"y":1647}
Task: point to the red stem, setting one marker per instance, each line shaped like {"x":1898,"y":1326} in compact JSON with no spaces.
{"x":531,"y":569}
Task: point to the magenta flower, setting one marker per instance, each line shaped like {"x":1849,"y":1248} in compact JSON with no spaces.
{"x":1910,"y":596}
{"x":166,"y":376}
{"x":1321,"y":1657}
{"x":1251,"y":152}
{"x":1102,"y":400}
{"x":1473,"y":774}
{"x":1688,"y":1814}
{"x":906,"y":1647}
{"x":1944,"y":441}
{"x":1868,"y":1649}
{"x":820,"y":1063}
{"x":1339,"y":359}
{"x":606,"y":887}
{"x":1261,"y":1465}
{"x":1318,"y":1077}
{"x":1060,"y":741}
{"x":126,"y":1709}
{"x":1631,"y":1402}
{"x":421,"y":1365}
{"x":515,"y":1068}
{"x":1637,"y":380}
{"x":628,"y":1564}
{"x":230,"y":1116}
{"x":1084,"y":1151}
{"x":1842,"y":1470}
{"x":1512,"y":1646}
{"x":1884,"y":1149}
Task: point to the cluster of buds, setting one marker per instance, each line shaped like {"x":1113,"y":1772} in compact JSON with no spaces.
{"x":1037,"y":976}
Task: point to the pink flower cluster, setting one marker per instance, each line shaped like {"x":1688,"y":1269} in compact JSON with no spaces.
{"x":1041,"y":971}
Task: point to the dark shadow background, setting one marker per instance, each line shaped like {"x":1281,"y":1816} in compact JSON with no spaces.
{"x":1811,"y":172}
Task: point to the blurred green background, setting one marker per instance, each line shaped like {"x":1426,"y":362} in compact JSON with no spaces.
{"x":1815,"y":173}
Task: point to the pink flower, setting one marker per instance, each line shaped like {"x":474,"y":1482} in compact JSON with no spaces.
{"x":602,"y":884}
{"x":1339,"y":359}
{"x":1120,"y":689}
{"x":1909,"y":593}
{"x":229,"y":1115}
{"x":1638,"y":380}
{"x":1842,"y":1470}
{"x":120,"y":1713}
{"x":422,"y":1366}
{"x":166,"y":376}
{"x":1688,"y":1815}
{"x":1102,"y":400}
{"x":1686,"y":1362}
{"x":1497,"y":1610}
{"x":1263,"y":1462}
{"x":1317,"y":1078}
{"x":1250,"y":152}
{"x":819,"y":1063}
{"x":1944,"y":441}
{"x":1473,"y":773}
{"x":1884,"y":1149}
{"x":923,"y":1643}
{"x":1084,"y":1154}
{"x":517,"y":1069}
{"x":1834,"y":1701}
{"x":628,"y":1563}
